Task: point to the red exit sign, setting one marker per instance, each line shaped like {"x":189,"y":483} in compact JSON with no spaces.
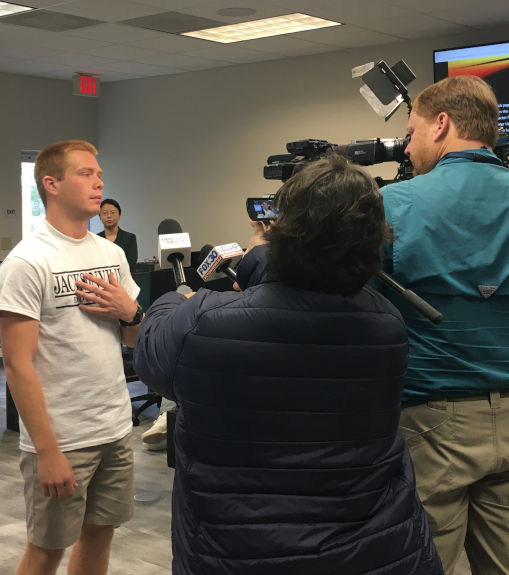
{"x":85,"y":85}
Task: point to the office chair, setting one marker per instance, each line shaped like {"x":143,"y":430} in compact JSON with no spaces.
{"x":149,"y":398}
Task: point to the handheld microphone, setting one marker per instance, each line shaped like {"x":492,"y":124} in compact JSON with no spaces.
{"x":219,"y":261}
{"x":169,"y":226}
{"x":174,"y":251}
{"x":421,"y":305}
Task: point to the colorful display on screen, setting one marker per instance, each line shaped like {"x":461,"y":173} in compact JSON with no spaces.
{"x":489,"y":61}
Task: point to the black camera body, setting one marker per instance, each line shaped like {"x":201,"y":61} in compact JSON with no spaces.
{"x":363,"y":152}
{"x":282,"y":166}
{"x":376,"y":151}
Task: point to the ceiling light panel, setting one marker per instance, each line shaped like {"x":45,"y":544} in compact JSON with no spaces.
{"x":262,"y":28}
{"x":6,"y":8}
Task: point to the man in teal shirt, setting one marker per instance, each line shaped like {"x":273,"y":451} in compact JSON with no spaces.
{"x":451,"y":228}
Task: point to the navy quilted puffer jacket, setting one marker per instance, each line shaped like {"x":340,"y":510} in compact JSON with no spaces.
{"x":289,"y":458}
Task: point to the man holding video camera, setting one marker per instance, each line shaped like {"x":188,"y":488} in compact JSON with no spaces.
{"x":451,"y":229}
{"x":289,"y":456}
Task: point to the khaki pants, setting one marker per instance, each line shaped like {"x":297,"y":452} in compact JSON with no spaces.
{"x":460,"y":450}
{"x":104,"y":495}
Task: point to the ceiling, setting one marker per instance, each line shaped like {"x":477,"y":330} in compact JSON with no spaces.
{"x":124,"y":39}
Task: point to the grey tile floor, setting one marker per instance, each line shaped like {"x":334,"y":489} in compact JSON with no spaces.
{"x":141,"y":547}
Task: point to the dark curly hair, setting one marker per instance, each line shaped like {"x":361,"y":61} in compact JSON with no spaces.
{"x":330,"y":227}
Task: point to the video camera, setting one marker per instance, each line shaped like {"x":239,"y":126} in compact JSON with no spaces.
{"x":385,"y":90}
{"x":363,"y":152}
{"x":281,"y":167}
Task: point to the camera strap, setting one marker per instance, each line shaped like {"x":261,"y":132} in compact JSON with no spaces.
{"x":473,"y":157}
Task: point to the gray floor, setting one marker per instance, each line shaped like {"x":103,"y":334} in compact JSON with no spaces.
{"x":142,"y":547}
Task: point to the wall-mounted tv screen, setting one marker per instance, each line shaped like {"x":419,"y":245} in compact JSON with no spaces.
{"x":488,"y":61}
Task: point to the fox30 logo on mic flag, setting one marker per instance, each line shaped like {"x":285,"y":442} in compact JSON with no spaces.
{"x":225,"y":254}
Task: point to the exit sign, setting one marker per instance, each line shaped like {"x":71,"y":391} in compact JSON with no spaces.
{"x":85,"y":85}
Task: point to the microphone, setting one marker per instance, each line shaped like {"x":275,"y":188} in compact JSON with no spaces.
{"x":174,"y":251}
{"x":204,"y":252}
{"x":219,"y":261}
{"x":421,"y":305}
{"x":169,"y":226}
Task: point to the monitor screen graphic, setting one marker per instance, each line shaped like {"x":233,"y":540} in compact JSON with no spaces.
{"x":488,"y":61}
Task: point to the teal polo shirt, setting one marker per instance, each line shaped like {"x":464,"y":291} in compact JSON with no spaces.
{"x":451,"y":247}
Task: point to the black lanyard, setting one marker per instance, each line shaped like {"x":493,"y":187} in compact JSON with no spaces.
{"x":473,"y":157}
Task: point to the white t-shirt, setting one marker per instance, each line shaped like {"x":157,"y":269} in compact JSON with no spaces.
{"x":78,"y":358}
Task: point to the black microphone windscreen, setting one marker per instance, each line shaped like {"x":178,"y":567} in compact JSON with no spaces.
{"x":204,"y":252}
{"x":169,"y":227}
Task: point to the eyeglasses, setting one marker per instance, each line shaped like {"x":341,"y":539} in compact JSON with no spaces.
{"x":111,"y":213}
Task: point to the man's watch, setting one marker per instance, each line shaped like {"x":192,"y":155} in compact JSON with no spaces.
{"x":138,"y":316}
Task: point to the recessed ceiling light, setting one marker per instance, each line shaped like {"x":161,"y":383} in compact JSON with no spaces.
{"x":8,"y":8}
{"x":262,"y":28}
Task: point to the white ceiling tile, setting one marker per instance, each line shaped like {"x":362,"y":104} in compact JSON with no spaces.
{"x":192,"y":62}
{"x":62,"y":73}
{"x":19,"y":51}
{"x":422,"y":27}
{"x":151,"y":57}
{"x":311,"y":7}
{"x":360,"y":12}
{"x":110,"y":76}
{"x":428,"y":5}
{"x":37,"y":65}
{"x":140,"y":69}
{"x":138,"y":52}
{"x":172,"y":43}
{"x":124,"y":52}
{"x":177,"y":4}
{"x":80,"y":62}
{"x":287,"y":45}
{"x":347,"y":37}
{"x":472,"y":16}
{"x":181,"y":5}
{"x":10,"y":32}
{"x":233,"y":54}
{"x":45,"y":39}
{"x":70,"y":44}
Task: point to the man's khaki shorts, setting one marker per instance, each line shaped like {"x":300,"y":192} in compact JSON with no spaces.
{"x":104,"y":496}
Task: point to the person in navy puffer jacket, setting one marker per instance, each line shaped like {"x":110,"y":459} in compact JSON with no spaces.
{"x":289,"y":457}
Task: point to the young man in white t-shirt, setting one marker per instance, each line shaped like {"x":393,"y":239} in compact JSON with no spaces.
{"x":67,"y":302}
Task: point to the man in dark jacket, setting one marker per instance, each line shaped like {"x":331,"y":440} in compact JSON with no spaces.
{"x":289,"y":458}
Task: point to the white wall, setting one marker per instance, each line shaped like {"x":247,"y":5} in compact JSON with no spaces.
{"x":192,"y":146}
{"x":35,"y":112}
